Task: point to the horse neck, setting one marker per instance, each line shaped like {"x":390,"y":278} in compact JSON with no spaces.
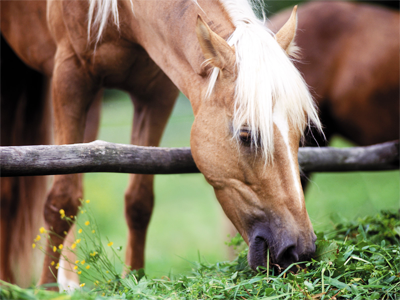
{"x":167,"y":31}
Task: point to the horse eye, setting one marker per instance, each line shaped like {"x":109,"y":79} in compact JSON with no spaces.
{"x":245,"y":137}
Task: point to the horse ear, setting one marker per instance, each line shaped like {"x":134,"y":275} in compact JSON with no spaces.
{"x":215,"y":49}
{"x":285,"y":36}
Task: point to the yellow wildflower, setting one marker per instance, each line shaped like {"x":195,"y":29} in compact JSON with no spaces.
{"x":107,"y":272}
{"x":87,"y":201}
{"x":52,"y":263}
{"x":80,"y":230}
{"x":93,"y":231}
{"x":77,"y":261}
{"x":88,"y":267}
{"x":80,"y":272}
{"x":87,"y":223}
{"x":33,"y":245}
{"x":57,"y":266}
{"x":42,"y":230}
{"x":65,"y":232}
{"x":38,"y":238}
{"x":83,"y":262}
{"x":54,"y":249}
{"x":110,"y":244}
{"x":71,"y":216}
{"x":77,"y":241}
{"x":73,"y":246}
{"x":60,"y":246}
{"x":109,"y":281}
{"x":82,"y":285}
{"x":62,"y":212}
{"x":76,"y":267}
{"x":82,"y":212}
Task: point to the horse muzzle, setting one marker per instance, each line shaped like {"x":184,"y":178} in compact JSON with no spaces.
{"x":285,"y":248}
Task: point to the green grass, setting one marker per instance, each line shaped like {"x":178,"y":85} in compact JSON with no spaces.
{"x":353,"y":260}
{"x":187,"y":218}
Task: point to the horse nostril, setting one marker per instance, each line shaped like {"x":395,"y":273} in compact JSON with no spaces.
{"x":287,"y":255}
{"x":257,"y":250}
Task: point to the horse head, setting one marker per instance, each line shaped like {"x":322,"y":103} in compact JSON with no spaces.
{"x":246,"y":135}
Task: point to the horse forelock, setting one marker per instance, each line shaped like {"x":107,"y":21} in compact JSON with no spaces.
{"x":266,"y":78}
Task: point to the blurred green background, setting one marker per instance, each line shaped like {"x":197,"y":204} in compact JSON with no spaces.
{"x":188,"y":222}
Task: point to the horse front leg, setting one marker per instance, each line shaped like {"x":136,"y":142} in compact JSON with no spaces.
{"x":151,"y":112}
{"x":72,"y":92}
{"x":68,"y":279}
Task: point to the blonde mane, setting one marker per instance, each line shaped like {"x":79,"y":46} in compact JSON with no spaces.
{"x":98,"y":18}
{"x":266,"y":80}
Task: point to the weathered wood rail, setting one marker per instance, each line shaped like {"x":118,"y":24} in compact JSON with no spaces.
{"x":100,"y":156}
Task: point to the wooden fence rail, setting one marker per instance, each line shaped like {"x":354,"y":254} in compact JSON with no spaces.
{"x":100,"y":156}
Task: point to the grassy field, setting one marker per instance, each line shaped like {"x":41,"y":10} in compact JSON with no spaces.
{"x":187,"y":219}
{"x":356,"y":260}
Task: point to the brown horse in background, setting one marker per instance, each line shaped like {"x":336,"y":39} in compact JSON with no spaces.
{"x":242,"y":122}
{"x":25,"y":114}
{"x":350,"y":59}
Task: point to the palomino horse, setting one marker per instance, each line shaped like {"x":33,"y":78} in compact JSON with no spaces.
{"x":350,"y":59}
{"x":250,"y":103}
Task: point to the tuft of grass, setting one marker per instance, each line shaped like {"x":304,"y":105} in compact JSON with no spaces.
{"x":355,"y":260}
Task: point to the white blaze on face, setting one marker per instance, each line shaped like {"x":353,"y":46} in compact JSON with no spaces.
{"x":67,"y":279}
{"x":281,"y":122}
